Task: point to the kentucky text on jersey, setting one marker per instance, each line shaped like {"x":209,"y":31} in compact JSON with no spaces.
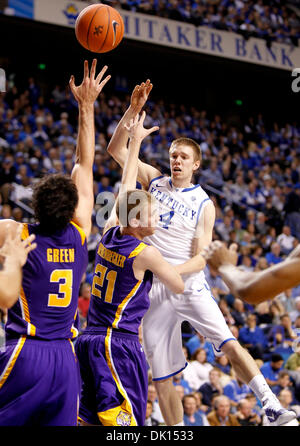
{"x":173,"y":204}
{"x":111,"y":256}
{"x":61,"y":255}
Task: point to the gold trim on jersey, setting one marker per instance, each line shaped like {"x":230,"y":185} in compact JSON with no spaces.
{"x":74,"y":330}
{"x":25,"y":231}
{"x":121,"y":415}
{"x":124,"y":303}
{"x":11,"y":362}
{"x":31,"y":329}
{"x":81,"y":232}
{"x":137,"y":250}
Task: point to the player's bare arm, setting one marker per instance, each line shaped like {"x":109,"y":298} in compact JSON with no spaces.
{"x":254,"y":287}
{"x":150,"y":258}
{"x":82,"y":174}
{"x":13,"y":252}
{"x":136,"y":133}
{"x":117,"y":146}
{"x":203,"y":238}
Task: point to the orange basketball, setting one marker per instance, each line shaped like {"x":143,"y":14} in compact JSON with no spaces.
{"x":99,"y":28}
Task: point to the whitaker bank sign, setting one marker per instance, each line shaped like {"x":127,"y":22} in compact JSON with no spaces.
{"x":160,"y":31}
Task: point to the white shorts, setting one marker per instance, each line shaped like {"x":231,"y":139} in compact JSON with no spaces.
{"x":162,"y":336}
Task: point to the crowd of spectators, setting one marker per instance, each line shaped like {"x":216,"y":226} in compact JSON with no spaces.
{"x":251,"y":171}
{"x":271,"y":20}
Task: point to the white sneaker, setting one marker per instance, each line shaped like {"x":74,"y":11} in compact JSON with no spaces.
{"x":276,"y":414}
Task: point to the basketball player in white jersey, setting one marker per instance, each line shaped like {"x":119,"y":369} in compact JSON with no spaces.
{"x":186,"y":221}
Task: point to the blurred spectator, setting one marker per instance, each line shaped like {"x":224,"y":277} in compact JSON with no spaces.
{"x":295,"y":312}
{"x":152,"y":396}
{"x":271,"y":369}
{"x":150,"y":421}
{"x":282,"y":336}
{"x":178,"y":380}
{"x":284,"y":382}
{"x":215,"y":282}
{"x":235,"y":390}
{"x":211,"y":388}
{"x":198,"y":341}
{"x":85,"y":293}
{"x":286,"y":399}
{"x":273,"y":257}
{"x":200,"y":366}
{"x":191,"y":416}
{"x":286,"y":241}
{"x":289,"y":303}
{"x":221,"y":415}
{"x":246,"y":415}
{"x":239,"y":312}
{"x":253,"y":338}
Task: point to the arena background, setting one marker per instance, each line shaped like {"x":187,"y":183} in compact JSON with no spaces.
{"x":208,"y":82}
{"x":236,"y":90}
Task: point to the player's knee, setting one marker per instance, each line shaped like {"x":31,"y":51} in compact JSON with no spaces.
{"x":232,"y":349}
{"x":163,"y":385}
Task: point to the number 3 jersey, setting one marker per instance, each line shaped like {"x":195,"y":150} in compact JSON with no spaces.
{"x":47,"y":305}
{"x":118,"y":299}
{"x":180,"y":210}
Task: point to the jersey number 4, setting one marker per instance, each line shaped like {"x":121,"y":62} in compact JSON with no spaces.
{"x":101,"y":274}
{"x":166,"y":219}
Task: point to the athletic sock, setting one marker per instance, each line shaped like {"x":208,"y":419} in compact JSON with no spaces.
{"x":179,"y":424}
{"x":260,"y":387}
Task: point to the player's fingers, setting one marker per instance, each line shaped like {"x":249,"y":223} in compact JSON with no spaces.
{"x":29,"y":240}
{"x":93,"y":69}
{"x":72,"y":83}
{"x":101,"y":74}
{"x":30,"y":248}
{"x":135,"y":90}
{"x":204,"y":252}
{"x":8,"y":233}
{"x":153,"y":129}
{"x":149,"y":88}
{"x":143,"y":116}
{"x":216,"y":244}
{"x":233,"y":247}
{"x":86,"y":69}
{"x":104,"y":82}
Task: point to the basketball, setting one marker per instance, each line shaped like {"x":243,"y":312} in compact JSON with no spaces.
{"x":99,"y":28}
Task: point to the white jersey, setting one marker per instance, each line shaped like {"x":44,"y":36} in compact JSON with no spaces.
{"x":179,"y":213}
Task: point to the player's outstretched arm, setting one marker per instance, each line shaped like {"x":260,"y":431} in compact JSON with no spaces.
{"x":254,"y":287}
{"x":82,"y":174}
{"x":117,"y":146}
{"x":202,"y":239}
{"x":137,"y":133}
{"x":14,"y":251}
{"x":150,"y":258}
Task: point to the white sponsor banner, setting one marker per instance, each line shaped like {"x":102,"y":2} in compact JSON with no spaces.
{"x":171,"y":33}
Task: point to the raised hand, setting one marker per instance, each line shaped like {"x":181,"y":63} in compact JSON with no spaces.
{"x":90,"y":88}
{"x":136,"y":128}
{"x":14,"y":247}
{"x":216,"y":254}
{"x":140,"y":95}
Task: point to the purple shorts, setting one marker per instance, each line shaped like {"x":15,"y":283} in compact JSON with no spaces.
{"x":114,"y":377}
{"x":39,"y":383}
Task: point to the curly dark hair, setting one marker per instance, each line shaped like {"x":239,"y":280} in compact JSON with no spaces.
{"x":54,"y":201}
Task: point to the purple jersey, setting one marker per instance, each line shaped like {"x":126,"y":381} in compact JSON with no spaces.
{"x":118,"y":299}
{"x":52,"y":275}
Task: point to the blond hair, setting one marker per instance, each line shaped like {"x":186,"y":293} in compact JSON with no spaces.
{"x":190,"y":143}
